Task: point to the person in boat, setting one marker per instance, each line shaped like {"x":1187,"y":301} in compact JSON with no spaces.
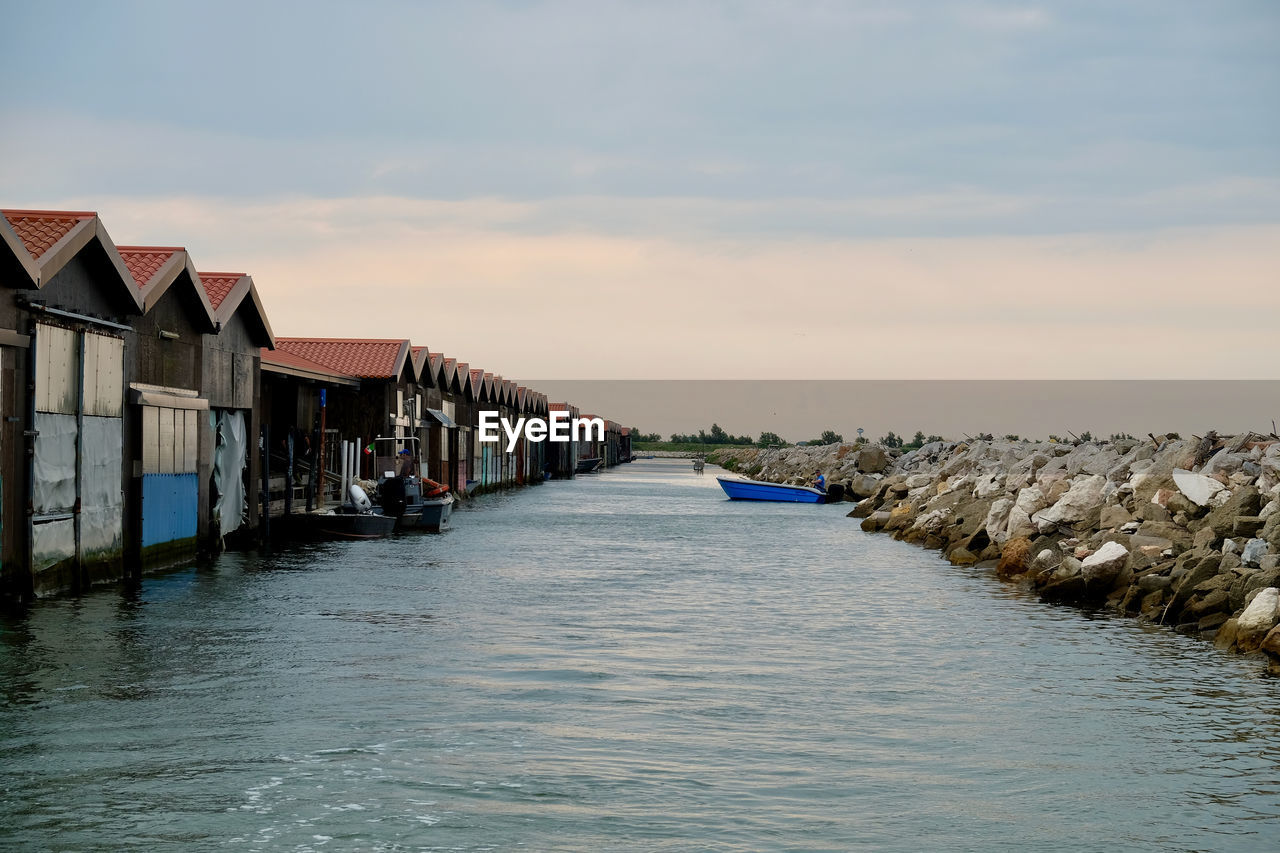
{"x":820,"y":482}
{"x":407,"y":466}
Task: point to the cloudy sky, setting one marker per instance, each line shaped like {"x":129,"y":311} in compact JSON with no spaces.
{"x":697,"y":190}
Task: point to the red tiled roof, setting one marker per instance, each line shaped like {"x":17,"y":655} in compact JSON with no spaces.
{"x":558,"y":407}
{"x":41,"y":229}
{"x":368,"y":358}
{"x":288,"y":359}
{"x":145,"y":261}
{"x":218,"y":284}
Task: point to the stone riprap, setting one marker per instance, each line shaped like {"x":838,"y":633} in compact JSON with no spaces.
{"x":1184,"y":533}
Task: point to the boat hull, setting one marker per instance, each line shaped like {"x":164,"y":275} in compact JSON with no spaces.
{"x":754,"y":490}
{"x":586,"y":466}
{"x":341,"y":526}
{"x":431,"y":515}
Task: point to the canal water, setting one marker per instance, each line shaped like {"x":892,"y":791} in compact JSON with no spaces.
{"x":622,"y":662}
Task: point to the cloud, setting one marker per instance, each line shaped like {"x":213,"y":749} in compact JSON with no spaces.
{"x":1181,"y":303}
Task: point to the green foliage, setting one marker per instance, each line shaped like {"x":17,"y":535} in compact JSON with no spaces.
{"x":830,"y":436}
{"x":891,"y":440}
{"x":1012,"y":437}
{"x":769,"y":438}
{"x":1121,"y":436}
{"x":637,"y":437}
{"x":717,"y":435}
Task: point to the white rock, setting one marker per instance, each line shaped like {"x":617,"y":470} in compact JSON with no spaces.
{"x":998,"y":520}
{"x":1084,"y":495}
{"x":1106,"y":562}
{"x":1271,"y":507}
{"x":1220,"y":498}
{"x":1229,"y":546}
{"x":1260,"y":615}
{"x":989,"y":485}
{"x":1197,"y":487}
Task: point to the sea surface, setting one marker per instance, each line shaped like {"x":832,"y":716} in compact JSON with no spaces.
{"x":626,"y":662}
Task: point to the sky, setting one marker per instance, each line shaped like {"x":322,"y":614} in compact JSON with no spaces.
{"x":712,"y":190}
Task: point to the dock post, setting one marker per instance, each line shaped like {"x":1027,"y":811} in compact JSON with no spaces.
{"x":266,"y":485}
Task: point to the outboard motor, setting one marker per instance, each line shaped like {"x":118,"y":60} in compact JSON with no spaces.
{"x":835,"y":493}
{"x":393,"y":496}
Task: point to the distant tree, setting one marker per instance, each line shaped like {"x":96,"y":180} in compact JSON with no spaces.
{"x":891,"y":440}
{"x":1011,"y":437}
{"x":830,"y":437}
{"x":718,"y":435}
{"x":768,"y":438}
{"x":919,"y":440}
{"x":1086,"y":436}
{"x":931,"y":439}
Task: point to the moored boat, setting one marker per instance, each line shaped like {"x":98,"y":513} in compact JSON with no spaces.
{"x":358,"y":519}
{"x":740,"y":489}
{"x":415,"y":502}
{"x":586,"y":466}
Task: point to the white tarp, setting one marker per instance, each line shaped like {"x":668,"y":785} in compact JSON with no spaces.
{"x":52,"y":542}
{"x":54,"y":486}
{"x":229,"y":459}
{"x":101,"y":495}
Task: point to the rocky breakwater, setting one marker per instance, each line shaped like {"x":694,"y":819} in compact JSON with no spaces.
{"x":1184,"y":533}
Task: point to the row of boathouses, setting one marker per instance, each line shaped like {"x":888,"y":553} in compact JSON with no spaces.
{"x":149,"y":411}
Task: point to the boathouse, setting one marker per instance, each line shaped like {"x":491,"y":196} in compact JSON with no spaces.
{"x":562,"y":457}
{"x":168,"y":442}
{"x":66,"y":329}
{"x":231,"y":380}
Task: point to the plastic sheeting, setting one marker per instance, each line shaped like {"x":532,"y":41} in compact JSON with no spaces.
{"x":52,"y":542}
{"x":229,"y":459}
{"x":101,"y":497}
{"x":55,"y":464}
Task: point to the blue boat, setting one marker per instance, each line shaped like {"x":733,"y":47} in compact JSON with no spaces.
{"x":753,"y":490}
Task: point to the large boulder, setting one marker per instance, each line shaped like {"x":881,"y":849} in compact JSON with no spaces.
{"x":1015,"y":558}
{"x":862,"y":486}
{"x":1196,"y":487}
{"x":872,"y":460}
{"x":997,"y":522}
{"x":1257,"y":619}
{"x":1243,"y":502}
{"x":1029,"y":501}
{"x":1083,"y":499}
{"x":1254,"y":551}
{"x":1104,"y":565}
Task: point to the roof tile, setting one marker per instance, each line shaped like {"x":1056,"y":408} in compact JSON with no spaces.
{"x":368,"y":358}
{"x":145,"y":261}
{"x":41,"y":229}
{"x":218,"y":284}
